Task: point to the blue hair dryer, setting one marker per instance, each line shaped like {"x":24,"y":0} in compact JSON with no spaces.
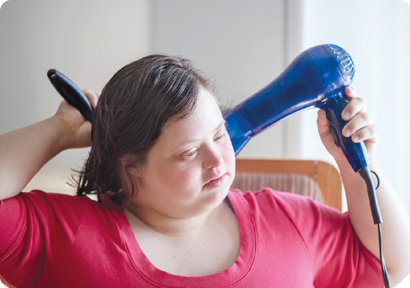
{"x":316,"y":78}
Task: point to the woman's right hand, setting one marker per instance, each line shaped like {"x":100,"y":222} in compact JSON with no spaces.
{"x":76,"y":130}
{"x":24,"y":151}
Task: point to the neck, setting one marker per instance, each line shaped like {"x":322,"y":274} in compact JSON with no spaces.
{"x":190,"y":227}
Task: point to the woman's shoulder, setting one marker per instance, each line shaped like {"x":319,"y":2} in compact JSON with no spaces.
{"x":296,"y":207}
{"x":44,"y":205}
{"x":268,"y":196}
{"x":40,"y":211}
{"x":39,"y":197}
{"x":59,"y":201}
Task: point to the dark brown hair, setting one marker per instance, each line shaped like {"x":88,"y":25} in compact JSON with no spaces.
{"x":132,"y":111}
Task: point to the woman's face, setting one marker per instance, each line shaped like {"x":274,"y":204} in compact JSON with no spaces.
{"x":190,"y":167}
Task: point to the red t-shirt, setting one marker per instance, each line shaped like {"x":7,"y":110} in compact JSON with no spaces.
{"x":55,"y":240}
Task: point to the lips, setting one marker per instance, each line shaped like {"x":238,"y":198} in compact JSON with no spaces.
{"x":216,"y":181}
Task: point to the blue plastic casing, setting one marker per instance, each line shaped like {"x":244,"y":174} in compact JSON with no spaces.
{"x":316,"y":78}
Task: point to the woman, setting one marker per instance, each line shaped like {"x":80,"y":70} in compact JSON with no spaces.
{"x":162,"y":164}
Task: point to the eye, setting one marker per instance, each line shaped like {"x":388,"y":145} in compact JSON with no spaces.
{"x":192,"y":153}
{"x":220,"y":136}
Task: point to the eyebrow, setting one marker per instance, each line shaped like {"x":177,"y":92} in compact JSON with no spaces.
{"x":195,"y":140}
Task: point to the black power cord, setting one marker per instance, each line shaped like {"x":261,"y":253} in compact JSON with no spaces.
{"x":383,"y":265}
{"x":365,"y":173}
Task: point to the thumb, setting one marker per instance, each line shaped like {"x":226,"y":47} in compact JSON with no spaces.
{"x":322,"y":123}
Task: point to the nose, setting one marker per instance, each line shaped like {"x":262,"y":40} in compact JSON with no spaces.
{"x":213,"y":158}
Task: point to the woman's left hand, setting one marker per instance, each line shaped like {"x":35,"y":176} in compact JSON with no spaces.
{"x":360,"y":126}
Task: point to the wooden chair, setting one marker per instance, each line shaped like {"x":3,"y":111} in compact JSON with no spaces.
{"x":313,"y":175}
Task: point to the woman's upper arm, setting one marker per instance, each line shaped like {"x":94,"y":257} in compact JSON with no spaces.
{"x":37,"y":230}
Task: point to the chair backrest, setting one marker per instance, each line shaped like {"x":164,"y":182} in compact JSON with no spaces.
{"x":297,"y":176}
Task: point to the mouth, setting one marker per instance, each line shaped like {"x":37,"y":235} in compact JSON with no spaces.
{"x":217,"y":181}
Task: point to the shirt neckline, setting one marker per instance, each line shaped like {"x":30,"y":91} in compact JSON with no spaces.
{"x":234,"y":274}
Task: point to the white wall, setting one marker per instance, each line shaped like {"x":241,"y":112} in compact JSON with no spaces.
{"x":86,"y":40}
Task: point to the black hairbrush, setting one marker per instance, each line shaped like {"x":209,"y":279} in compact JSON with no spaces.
{"x":71,"y":93}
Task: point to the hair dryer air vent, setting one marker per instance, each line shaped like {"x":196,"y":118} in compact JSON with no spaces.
{"x":343,"y":62}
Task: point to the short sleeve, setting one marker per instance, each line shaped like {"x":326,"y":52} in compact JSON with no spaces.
{"x":338,"y":256}
{"x":37,"y":229}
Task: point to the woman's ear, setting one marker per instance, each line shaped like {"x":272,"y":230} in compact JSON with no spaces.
{"x":131,"y":165}
{"x":128,"y":162}
{"x":130,"y":175}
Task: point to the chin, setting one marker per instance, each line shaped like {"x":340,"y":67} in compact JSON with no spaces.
{"x":212,"y":198}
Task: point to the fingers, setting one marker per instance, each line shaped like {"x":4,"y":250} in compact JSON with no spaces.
{"x":92,"y":97}
{"x":350,"y":93}
{"x":355,"y":105}
{"x":322,"y":121}
{"x":360,"y":128}
{"x":368,"y":133}
{"x":360,"y":125}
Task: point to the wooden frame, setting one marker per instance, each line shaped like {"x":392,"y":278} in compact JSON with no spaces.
{"x":325,"y":174}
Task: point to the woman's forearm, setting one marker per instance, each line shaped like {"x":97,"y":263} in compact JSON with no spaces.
{"x":396,"y":223}
{"x":24,"y":151}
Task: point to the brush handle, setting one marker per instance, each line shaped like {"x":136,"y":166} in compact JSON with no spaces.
{"x":71,"y":93}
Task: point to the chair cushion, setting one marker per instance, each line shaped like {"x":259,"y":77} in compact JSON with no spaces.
{"x":293,"y":183}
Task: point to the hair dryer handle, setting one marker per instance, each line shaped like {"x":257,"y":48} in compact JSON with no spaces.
{"x":355,"y":153}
